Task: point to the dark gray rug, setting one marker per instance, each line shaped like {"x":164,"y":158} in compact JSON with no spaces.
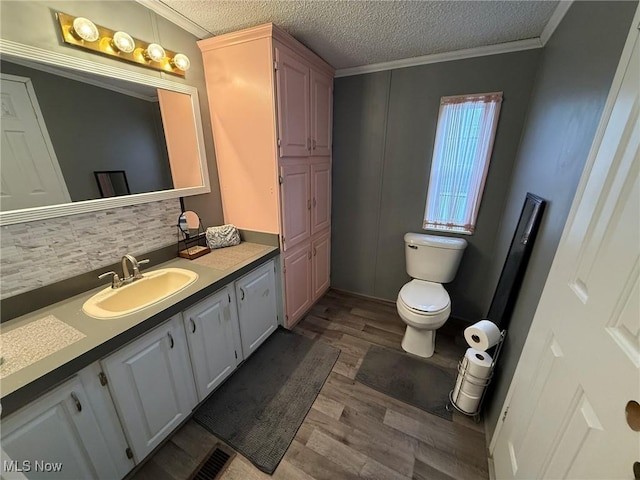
{"x":259,"y":409}
{"x":408,"y":379}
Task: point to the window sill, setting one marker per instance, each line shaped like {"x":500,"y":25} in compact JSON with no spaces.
{"x":447,"y":230}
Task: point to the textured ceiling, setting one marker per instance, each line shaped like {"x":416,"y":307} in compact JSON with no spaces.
{"x":354,"y":32}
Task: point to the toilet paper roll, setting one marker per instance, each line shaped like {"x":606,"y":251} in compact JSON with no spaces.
{"x":478,"y":363}
{"x":466,"y":403}
{"x":482,"y":335}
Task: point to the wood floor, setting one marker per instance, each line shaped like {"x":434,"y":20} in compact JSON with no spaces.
{"x":353,"y":431}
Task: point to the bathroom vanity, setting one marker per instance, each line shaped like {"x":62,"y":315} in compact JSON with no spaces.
{"x":102,"y":404}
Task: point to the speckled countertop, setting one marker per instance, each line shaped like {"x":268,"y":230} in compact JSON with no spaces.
{"x":105,"y":336}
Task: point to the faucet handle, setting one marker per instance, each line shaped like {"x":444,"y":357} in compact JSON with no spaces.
{"x":115,"y":279}
{"x":136,"y":271}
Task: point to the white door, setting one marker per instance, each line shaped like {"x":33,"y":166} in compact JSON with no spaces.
{"x":296,"y":204}
{"x":210,"y":328}
{"x":57,"y":436}
{"x":581,"y":361}
{"x":320,"y":196}
{"x":31,"y":175}
{"x":321,"y":113}
{"x":151,"y":383}
{"x":292,"y":92}
{"x":257,"y":313}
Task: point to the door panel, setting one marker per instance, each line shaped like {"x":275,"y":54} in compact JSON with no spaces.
{"x":297,"y":279}
{"x":296,"y":204}
{"x":321,"y":252}
{"x":582,"y":351}
{"x":321,"y":113}
{"x":321,"y":196}
{"x":257,"y":311}
{"x":209,"y":327}
{"x":56,"y":429}
{"x":31,"y":175}
{"x":292,"y":83}
{"x":151,"y":382}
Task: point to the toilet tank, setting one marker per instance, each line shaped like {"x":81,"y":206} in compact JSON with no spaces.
{"x":433,"y":258}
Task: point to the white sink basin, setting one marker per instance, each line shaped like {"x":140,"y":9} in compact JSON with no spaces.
{"x":152,"y":288}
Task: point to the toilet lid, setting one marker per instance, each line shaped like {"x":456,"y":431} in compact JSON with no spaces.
{"x":424,"y":296}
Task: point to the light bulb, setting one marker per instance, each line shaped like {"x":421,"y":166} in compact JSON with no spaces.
{"x":155,"y":52}
{"x":85,"y":29}
{"x":122,"y":41}
{"x":181,"y":61}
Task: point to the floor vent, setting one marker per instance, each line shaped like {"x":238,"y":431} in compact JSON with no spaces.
{"x":215,"y":464}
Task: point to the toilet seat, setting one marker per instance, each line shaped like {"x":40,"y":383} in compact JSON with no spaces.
{"x":424,"y":298}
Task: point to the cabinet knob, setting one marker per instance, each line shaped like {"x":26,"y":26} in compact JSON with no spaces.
{"x":314,"y":144}
{"x":314,"y":202}
{"x":308,"y":204}
{"x":242,"y":292}
{"x":314,"y":251}
{"x":170,"y":339}
{"x":193,"y":326}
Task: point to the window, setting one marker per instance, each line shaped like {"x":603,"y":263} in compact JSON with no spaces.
{"x":461,"y":154}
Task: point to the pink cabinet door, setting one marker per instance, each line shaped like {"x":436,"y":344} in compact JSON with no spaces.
{"x":321,"y":107}
{"x":296,"y":204}
{"x":297,"y":283}
{"x":320,"y":196}
{"x":321,"y":265}
{"x":292,"y":88}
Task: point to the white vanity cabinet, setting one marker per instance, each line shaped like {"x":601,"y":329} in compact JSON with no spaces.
{"x":214,"y":340}
{"x":61,"y":435}
{"x":257,"y":310}
{"x":152,"y":386}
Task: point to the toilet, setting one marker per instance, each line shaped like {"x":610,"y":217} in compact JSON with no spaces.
{"x":423,"y":303}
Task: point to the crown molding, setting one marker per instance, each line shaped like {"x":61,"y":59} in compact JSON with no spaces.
{"x":173,"y":16}
{"x":507,"y":47}
{"x":554,"y":21}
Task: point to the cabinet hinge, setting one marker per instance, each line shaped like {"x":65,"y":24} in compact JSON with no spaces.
{"x":279,"y":144}
{"x":283,"y":240}
{"x":280,"y":180}
{"x":103,"y":379}
{"x":284,"y":269}
{"x":129,"y":452}
{"x":275,"y":65}
{"x":236,"y":353}
{"x":229,"y":295}
{"x":505,"y":414}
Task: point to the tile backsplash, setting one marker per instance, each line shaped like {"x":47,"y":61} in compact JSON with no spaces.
{"x":39,"y":253}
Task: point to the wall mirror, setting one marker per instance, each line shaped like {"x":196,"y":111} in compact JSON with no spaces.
{"x":65,"y":121}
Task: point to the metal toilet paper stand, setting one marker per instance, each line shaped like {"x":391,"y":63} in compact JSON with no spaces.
{"x":463,"y":372}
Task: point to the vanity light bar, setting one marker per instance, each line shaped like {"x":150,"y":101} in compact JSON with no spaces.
{"x":82,"y":32}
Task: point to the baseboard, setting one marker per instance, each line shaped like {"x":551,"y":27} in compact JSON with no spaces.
{"x":364,"y":297}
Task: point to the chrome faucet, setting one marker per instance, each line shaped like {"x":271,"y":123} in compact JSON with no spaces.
{"x":116,"y":281}
{"x":126,"y":276}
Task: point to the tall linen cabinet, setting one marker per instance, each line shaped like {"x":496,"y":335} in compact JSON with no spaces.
{"x":271,"y":109}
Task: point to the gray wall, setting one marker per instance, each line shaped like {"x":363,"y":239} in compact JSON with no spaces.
{"x":139,"y":22}
{"x":384,"y":129}
{"x":575,"y":74}
{"x":93,"y":129}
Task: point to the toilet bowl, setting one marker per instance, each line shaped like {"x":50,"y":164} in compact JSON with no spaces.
{"x":423,"y":303}
{"x":424,"y":307}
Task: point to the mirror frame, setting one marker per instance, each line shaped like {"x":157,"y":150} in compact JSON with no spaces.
{"x":10,"y":49}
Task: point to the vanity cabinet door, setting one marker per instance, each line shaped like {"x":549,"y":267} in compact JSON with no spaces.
{"x":257,"y":311}
{"x":321,"y":265}
{"x":151,"y":383}
{"x":321,"y":196}
{"x":297,"y":283}
{"x":210,"y":327}
{"x":321,"y":113}
{"x":292,"y":92}
{"x":59,"y":436}
{"x":296,"y":204}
